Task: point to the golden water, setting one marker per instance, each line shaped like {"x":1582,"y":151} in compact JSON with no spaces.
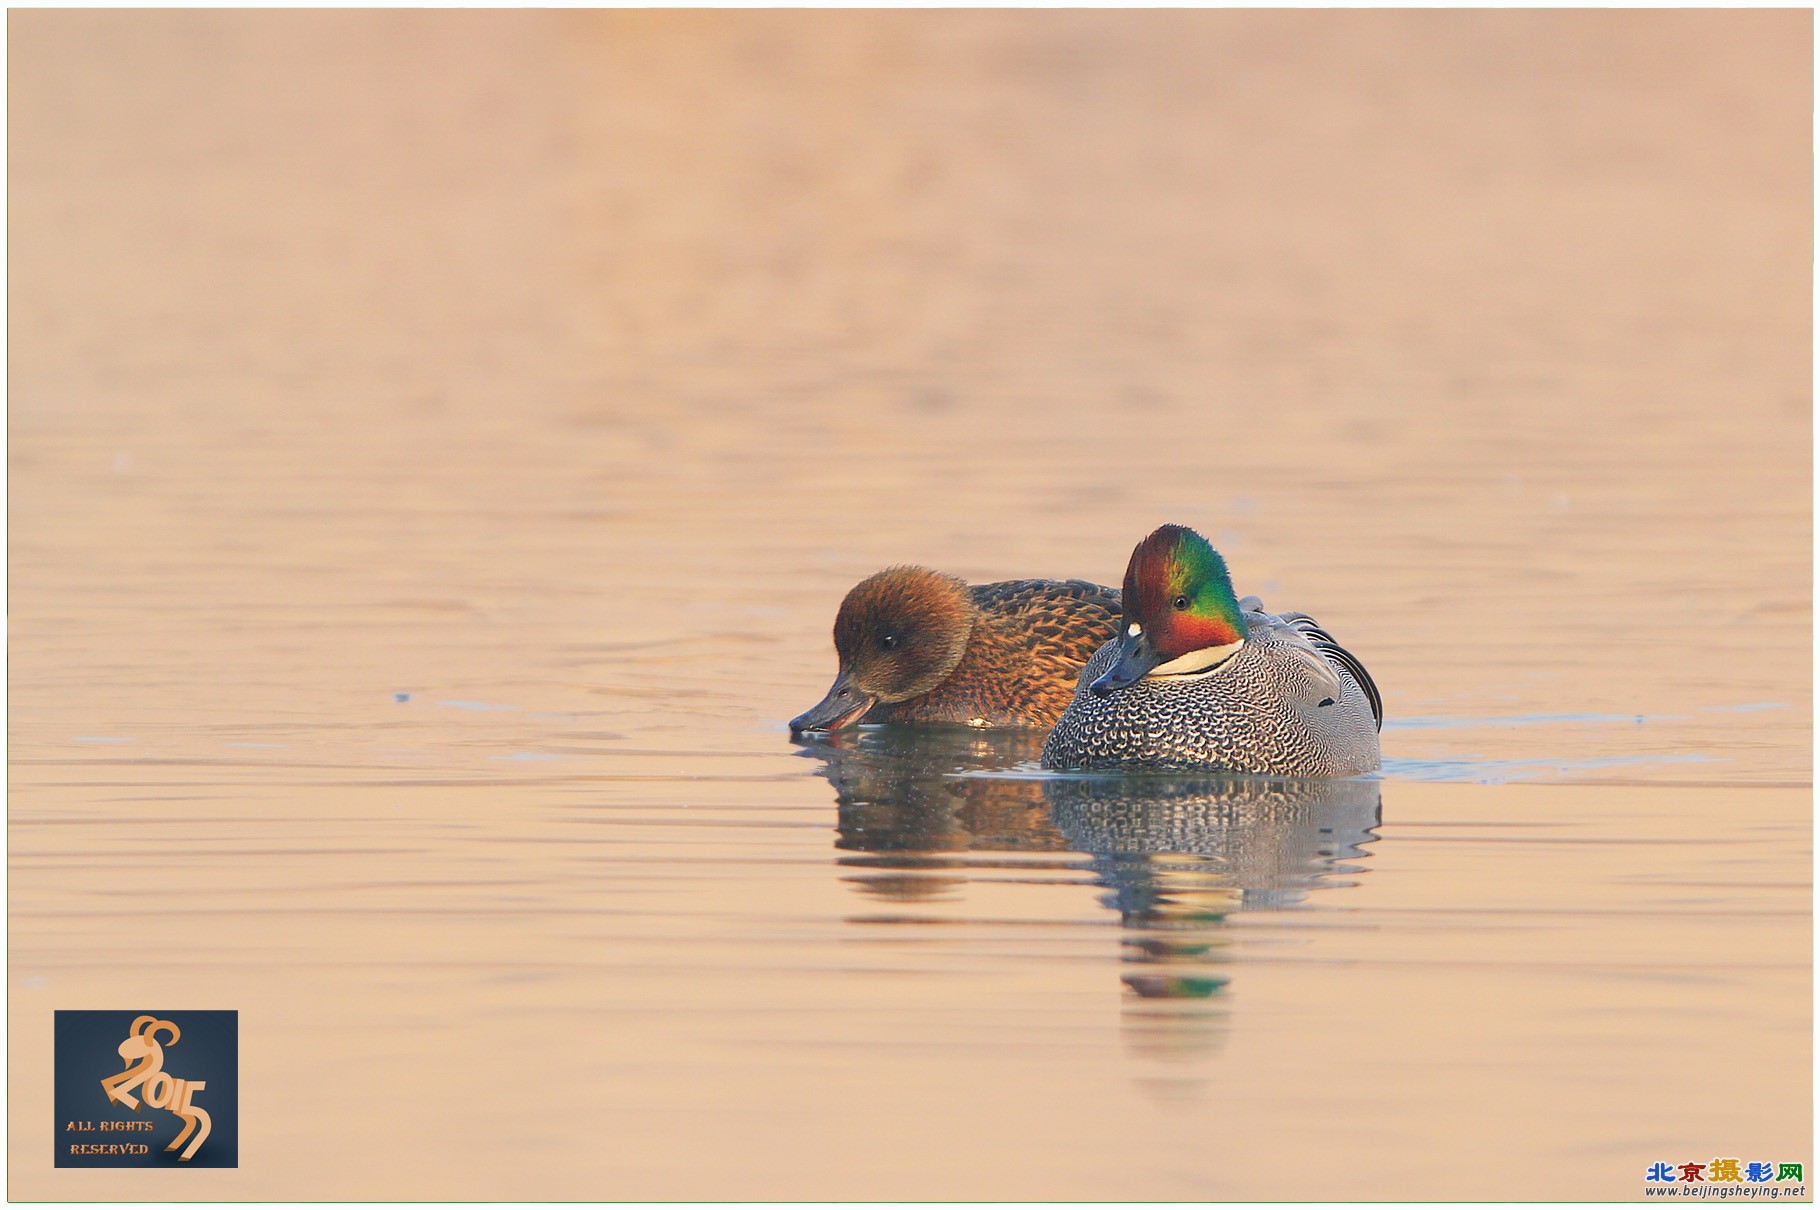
{"x":439,"y":441}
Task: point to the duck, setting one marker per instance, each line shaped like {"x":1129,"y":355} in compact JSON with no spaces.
{"x":920,"y":647}
{"x":1199,"y":679}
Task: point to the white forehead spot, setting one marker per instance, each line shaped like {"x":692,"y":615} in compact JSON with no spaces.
{"x":1134,"y":630}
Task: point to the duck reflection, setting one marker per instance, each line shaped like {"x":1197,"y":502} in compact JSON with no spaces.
{"x":907,"y":817}
{"x":1179,"y":856}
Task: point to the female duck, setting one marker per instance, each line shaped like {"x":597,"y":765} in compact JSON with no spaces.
{"x":917,"y":646}
{"x":1200,"y":680}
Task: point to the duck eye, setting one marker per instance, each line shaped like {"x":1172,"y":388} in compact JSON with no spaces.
{"x":1181,"y":602}
{"x":888,"y":642}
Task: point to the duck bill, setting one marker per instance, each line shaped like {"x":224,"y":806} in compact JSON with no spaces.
{"x":1136,"y":658}
{"x":842,"y":707}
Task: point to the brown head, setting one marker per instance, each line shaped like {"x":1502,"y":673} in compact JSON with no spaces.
{"x":898,"y":635}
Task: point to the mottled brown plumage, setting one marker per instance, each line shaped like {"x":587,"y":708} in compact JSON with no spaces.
{"x":920,"y":647}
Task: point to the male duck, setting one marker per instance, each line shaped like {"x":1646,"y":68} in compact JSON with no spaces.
{"x":1201,"y":680}
{"x":917,"y":646}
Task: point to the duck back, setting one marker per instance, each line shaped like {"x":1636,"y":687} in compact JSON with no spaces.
{"x":1285,"y":704}
{"x":1028,"y":644}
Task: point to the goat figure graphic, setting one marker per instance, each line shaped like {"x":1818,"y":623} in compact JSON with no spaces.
{"x":145,"y":1065}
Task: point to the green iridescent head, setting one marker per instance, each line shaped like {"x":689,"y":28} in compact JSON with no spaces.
{"x":1178,"y":602}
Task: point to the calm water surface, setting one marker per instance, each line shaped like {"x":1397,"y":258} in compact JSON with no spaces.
{"x":439,"y":443}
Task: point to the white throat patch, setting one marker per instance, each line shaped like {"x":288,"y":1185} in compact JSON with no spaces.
{"x":1197,"y":662}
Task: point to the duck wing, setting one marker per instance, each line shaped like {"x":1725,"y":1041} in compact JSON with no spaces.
{"x":1318,"y":649}
{"x":1074,"y":617}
